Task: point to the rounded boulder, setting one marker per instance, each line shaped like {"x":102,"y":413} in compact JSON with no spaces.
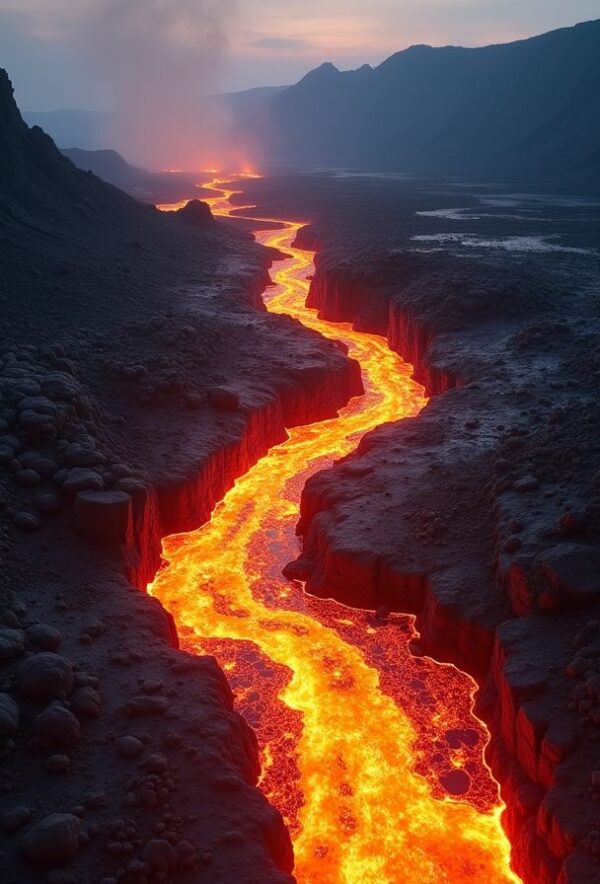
{"x":9,"y":716}
{"x":57,"y":727}
{"x":45,"y":675}
{"x":55,"y":839}
{"x":44,"y":636}
{"x":12,"y":643}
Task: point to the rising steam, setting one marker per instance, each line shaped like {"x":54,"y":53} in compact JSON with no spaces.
{"x":162,"y":58}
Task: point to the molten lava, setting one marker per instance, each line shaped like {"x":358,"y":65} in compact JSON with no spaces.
{"x":373,"y":756}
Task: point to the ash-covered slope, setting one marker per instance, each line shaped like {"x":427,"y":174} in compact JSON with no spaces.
{"x":523,"y":109}
{"x":139,"y":376}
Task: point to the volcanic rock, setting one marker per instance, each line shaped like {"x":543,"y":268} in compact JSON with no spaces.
{"x":11,"y":443}
{"x":39,"y":426}
{"x":9,"y":716}
{"x":12,"y":643}
{"x":44,"y":636}
{"x":129,"y":747}
{"x":57,"y":763}
{"x":25,"y":521}
{"x":55,"y":839}
{"x":103,"y":516}
{"x":527,"y":483}
{"x":156,"y":763}
{"x":160,"y":855}
{"x":145,"y":705}
{"x":60,"y":387}
{"x":57,"y":727}
{"x":14,"y":818}
{"x":38,"y":404}
{"x":81,"y":479}
{"x":568,"y":573}
{"x":33,"y":460}
{"x":45,"y":675}
{"x":76,"y":455}
{"x":28,"y":478}
{"x":195,"y":213}
{"x":86,"y":702}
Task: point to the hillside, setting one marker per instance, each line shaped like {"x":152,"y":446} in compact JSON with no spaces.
{"x":135,"y":352}
{"x":525,"y":109}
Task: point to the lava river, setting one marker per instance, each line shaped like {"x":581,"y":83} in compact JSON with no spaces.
{"x":373,"y":755}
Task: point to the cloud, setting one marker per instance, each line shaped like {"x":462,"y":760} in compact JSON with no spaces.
{"x":161,"y":57}
{"x":280,"y":43}
{"x":51,"y":48}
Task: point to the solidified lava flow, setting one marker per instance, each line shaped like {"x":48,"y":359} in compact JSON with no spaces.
{"x":373,"y":756}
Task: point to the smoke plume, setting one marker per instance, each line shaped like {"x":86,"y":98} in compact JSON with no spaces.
{"x":162,"y":59}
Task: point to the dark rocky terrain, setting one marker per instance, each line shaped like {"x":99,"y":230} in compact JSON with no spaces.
{"x":525,"y":111}
{"x":481,"y":515}
{"x":139,"y":374}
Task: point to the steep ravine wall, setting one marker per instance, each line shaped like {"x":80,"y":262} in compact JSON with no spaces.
{"x":341,"y":301}
{"x":525,"y":758}
{"x":185,"y":503}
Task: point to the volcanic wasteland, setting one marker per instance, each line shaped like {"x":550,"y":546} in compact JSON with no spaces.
{"x":300,"y":512}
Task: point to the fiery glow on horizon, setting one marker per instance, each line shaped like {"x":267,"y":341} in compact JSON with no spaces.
{"x":359,"y":739}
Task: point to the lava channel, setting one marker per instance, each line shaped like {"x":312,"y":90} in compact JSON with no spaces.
{"x":373,"y":756}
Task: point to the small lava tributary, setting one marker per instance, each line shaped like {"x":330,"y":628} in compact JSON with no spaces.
{"x":373,"y":756}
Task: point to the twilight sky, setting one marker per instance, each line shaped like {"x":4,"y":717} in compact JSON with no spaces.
{"x":74,"y":53}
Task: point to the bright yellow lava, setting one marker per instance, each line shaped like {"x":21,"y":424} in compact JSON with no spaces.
{"x":353,"y":770}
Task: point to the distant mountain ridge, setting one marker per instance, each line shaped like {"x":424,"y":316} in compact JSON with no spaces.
{"x":529,"y":108}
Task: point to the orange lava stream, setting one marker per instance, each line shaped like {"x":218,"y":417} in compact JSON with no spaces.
{"x":359,"y":738}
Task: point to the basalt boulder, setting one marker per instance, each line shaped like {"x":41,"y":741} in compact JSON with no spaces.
{"x":195,"y":213}
{"x":55,"y":839}
{"x":103,"y":516}
{"x":44,"y":676}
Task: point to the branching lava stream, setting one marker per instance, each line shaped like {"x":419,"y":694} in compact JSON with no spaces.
{"x":373,"y":755}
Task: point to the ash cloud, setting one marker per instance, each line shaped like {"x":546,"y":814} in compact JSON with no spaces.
{"x":161,"y":59}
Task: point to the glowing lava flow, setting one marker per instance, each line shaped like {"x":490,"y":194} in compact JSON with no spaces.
{"x":363,"y":744}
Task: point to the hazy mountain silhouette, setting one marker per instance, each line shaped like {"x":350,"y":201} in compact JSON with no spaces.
{"x":106,"y":164}
{"x":525,"y":109}
{"x":243,"y":105}
{"x":145,"y":186}
{"x":94,"y":130}
{"x":86,"y":129}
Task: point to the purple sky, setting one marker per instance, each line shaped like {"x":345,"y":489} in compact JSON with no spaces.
{"x":51,"y":52}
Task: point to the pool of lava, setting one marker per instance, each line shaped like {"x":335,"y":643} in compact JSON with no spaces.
{"x":372,"y":754}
